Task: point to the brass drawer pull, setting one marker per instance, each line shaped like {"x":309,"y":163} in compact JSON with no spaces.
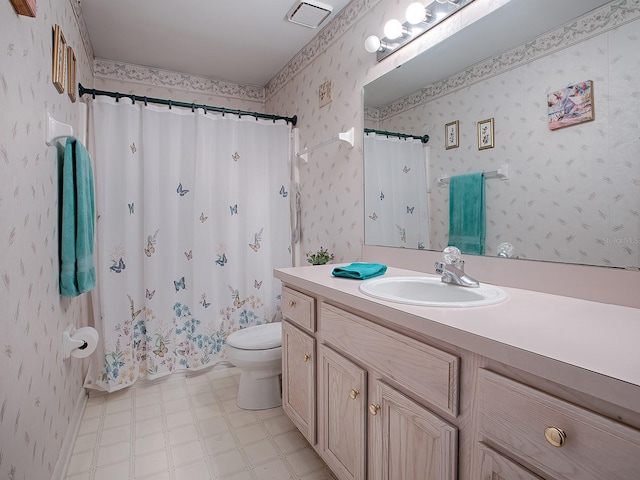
{"x":354,"y":394}
{"x":306,"y":357}
{"x":555,"y":436}
{"x":292,"y":303}
{"x":374,"y":409}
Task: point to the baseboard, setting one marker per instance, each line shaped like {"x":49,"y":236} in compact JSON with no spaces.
{"x":60,"y":470}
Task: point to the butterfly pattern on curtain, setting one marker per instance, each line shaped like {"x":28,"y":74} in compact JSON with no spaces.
{"x":192,"y":218}
{"x":397,"y":206}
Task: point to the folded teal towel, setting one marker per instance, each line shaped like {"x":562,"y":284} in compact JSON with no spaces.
{"x":77,"y":272}
{"x":360,"y":271}
{"x":466,"y":213}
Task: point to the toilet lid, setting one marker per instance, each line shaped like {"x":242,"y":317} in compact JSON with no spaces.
{"x":259,"y":337}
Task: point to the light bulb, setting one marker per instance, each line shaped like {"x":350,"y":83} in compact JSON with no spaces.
{"x":393,"y":29}
{"x":415,"y":13}
{"x":372,"y":44}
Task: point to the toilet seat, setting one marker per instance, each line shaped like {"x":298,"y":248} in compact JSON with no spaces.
{"x":259,"y":337}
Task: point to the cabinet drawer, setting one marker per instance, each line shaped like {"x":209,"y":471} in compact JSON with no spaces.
{"x":426,"y":371}
{"x":299,"y":309}
{"x":514,"y":418}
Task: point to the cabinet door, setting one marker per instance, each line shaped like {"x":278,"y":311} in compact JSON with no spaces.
{"x":344,"y":405}
{"x":407,"y":441}
{"x":299,"y":380}
{"x":494,"y":466}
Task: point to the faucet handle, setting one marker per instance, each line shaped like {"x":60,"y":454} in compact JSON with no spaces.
{"x":453,"y":256}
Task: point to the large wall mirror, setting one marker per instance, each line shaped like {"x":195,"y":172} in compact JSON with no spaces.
{"x":569,"y":194}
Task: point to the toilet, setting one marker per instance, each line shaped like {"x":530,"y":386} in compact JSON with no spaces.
{"x":257,"y":352}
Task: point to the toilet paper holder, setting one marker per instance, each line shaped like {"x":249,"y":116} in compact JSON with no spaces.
{"x":69,"y":343}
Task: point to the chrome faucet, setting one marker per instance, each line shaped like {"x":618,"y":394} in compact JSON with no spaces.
{"x":452,"y":269}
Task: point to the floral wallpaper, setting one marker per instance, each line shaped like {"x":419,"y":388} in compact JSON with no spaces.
{"x":39,"y":390}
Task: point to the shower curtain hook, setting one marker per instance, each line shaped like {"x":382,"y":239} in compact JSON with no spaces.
{"x":145,"y":101}
{"x":133,"y":99}
{"x":117,"y":97}
{"x":193,"y":107}
{"x":169,"y":104}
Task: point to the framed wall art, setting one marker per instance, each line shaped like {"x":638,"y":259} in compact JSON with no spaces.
{"x":59,"y":59}
{"x":571,"y":105}
{"x":451,"y":139}
{"x":28,"y":8}
{"x":485,"y":134}
{"x":71,"y":74}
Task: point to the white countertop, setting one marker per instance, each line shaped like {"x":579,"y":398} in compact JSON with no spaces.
{"x":544,"y":334}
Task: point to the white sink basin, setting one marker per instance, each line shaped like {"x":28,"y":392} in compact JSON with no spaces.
{"x":431,"y":292}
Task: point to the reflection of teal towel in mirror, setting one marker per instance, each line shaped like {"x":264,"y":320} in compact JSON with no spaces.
{"x":360,"y":271}
{"x":466,"y":213}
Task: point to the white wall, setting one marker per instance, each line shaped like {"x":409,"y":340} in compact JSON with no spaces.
{"x":38,"y":390}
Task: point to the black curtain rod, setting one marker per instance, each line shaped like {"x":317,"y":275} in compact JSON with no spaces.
{"x":193,"y":106}
{"x":423,"y":138}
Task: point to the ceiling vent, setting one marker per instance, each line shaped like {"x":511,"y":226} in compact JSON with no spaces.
{"x":308,"y":13}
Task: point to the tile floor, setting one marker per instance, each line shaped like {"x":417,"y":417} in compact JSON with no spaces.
{"x":189,"y":428}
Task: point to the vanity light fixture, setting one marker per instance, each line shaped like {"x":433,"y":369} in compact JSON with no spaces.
{"x":419,"y":19}
{"x":393,"y":29}
{"x":373,"y":44}
{"x":417,"y":13}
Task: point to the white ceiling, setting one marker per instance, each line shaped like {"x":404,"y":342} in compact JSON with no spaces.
{"x":239,"y":41}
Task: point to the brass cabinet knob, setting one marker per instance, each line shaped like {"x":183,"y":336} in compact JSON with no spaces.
{"x":292,"y":303}
{"x":354,"y":394}
{"x":306,"y":357}
{"x":374,"y":409}
{"x":555,"y":436}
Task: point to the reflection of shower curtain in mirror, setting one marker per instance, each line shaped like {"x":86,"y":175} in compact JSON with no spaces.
{"x":396,"y":195}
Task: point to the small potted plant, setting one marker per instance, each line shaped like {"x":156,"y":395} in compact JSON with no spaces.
{"x":320,"y":257}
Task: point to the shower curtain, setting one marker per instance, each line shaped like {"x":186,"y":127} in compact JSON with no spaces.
{"x":192,"y":217}
{"x":396,"y":198}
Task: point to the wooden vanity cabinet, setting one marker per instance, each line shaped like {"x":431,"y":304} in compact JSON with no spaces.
{"x":348,"y":386}
{"x":343,"y":404}
{"x":407,"y":441}
{"x":378,"y":402}
{"x":299,"y":362}
{"x":552,"y":437}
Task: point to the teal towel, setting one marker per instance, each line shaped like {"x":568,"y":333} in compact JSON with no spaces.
{"x":466,"y":213}
{"x":77,"y":272}
{"x":360,"y":271}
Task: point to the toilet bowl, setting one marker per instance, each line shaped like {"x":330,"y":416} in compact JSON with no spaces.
{"x":257,"y":352}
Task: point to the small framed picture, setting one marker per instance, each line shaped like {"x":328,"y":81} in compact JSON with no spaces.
{"x":71,"y":76}
{"x":571,"y":105}
{"x":59,"y":59}
{"x":485,"y":134}
{"x":325,"y":93}
{"x":451,"y":139}
{"x":27,"y":8}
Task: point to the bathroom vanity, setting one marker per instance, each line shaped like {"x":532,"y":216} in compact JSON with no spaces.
{"x":539,"y":386}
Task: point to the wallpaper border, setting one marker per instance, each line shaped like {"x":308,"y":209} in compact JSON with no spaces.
{"x":603,"y":19}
